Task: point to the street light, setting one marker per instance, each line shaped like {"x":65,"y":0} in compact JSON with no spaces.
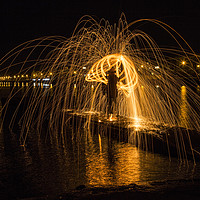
{"x":183,"y":62}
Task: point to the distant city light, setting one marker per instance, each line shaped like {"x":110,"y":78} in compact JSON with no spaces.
{"x":46,"y":79}
{"x":45,"y":85}
{"x":183,"y":62}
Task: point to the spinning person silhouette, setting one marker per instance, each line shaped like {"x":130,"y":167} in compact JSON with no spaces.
{"x":112,"y":90}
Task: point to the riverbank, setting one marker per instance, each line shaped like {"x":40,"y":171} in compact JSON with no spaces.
{"x":171,"y":189}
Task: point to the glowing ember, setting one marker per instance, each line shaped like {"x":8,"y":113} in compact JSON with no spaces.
{"x":111,"y":117}
{"x":124,"y":68}
{"x":78,"y":69}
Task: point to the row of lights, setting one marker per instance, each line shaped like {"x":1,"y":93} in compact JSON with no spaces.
{"x":5,"y":77}
{"x":156,"y":67}
{"x":41,"y":74}
{"x":22,"y":76}
{"x":184,"y":63}
{"x":9,"y":77}
{"x":157,"y":86}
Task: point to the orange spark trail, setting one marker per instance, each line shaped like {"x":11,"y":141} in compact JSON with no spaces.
{"x":124,"y":68}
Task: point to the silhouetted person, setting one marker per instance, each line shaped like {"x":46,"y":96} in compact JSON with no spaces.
{"x":112,"y":90}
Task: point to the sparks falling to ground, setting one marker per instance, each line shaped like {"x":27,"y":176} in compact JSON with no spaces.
{"x":82,"y":66}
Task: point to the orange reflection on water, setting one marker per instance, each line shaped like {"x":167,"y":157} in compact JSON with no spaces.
{"x":136,"y":124}
{"x":198,"y":89}
{"x":128,"y":166}
{"x":97,"y":171}
{"x":183,"y":108}
{"x":113,"y":165}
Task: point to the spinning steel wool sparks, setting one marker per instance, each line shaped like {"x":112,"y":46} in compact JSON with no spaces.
{"x":105,"y":71}
{"x":123,"y":67}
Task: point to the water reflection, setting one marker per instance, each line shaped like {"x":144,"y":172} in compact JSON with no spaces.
{"x":122,"y":164}
{"x":112,"y":163}
{"x":45,"y":166}
{"x":91,"y":159}
{"x":198,"y":89}
{"x":184,"y":119}
{"x":25,"y":84}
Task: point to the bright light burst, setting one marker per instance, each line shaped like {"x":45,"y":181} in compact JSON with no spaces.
{"x":148,"y":83}
{"x":123,"y":67}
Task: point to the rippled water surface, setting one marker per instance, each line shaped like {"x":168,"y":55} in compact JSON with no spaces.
{"x":46,"y":167}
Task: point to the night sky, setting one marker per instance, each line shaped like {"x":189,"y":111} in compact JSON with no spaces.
{"x":23,"y":20}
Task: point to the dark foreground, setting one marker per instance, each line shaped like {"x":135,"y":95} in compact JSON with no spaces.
{"x":174,"y":189}
{"x":43,"y":165}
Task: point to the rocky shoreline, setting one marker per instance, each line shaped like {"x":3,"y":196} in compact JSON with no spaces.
{"x":167,"y":189}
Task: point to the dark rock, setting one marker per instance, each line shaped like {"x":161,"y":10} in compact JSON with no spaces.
{"x":80,"y":187}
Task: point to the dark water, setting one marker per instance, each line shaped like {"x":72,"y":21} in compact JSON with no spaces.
{"x":46,"y":167}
